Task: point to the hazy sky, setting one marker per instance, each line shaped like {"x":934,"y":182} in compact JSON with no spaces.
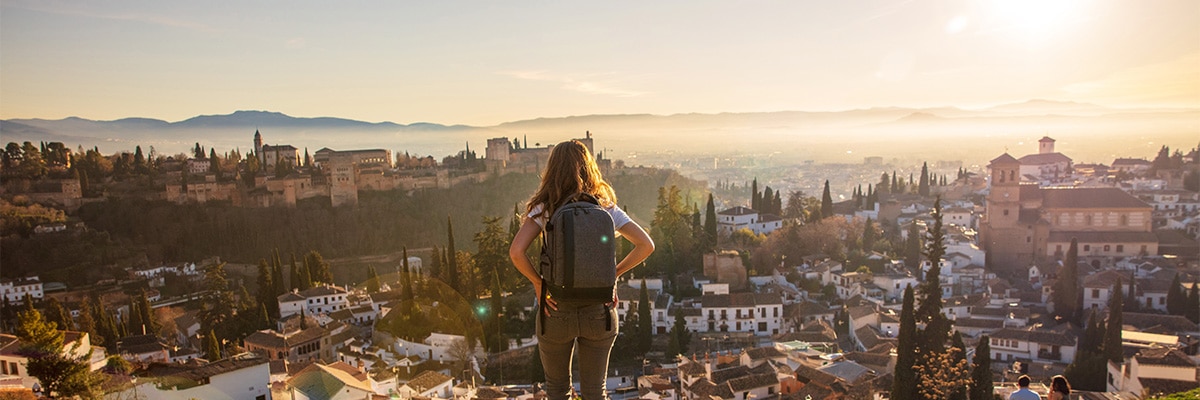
{"x":483,"y":63}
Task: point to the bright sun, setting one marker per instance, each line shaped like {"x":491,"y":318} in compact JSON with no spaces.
{"x":1032,"y":21}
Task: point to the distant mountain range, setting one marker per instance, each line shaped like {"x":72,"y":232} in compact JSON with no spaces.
{"x":801,"y":133}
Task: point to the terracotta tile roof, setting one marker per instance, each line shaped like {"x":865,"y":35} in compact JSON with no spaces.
{"x":759,"y":353}
{"x":1103,"y":237}
{"x":1004,"y":159}
{"x":739,"y":210}
{"x":1035,"y":336}
{"x":753,"y":381}
{"x":1100,"y":197}
{"x":1165,"y":356}
{"x":1047,"y":158}
{"x":427,"y":380}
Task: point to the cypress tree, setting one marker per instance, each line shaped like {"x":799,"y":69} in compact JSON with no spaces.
{"x":960,"y":358}
{"x":755,"y":199}
{"x":212,"y":347}
{"x":1176,"y":298}
{"x":646,"y":326}
{"x":372,"y":280}
{"x":1193,"y":304}
{"x":1066,"y":288}
{"x":451,"y":256}
{"x":147,"y":312}
{"x":912,"y":248}
{"x":767,"y":200}
{"x":710,"y":225}
{"x":294,"y":273}
{"x":826,"y":202}
{"x":435,"y":263}
{"x":896,"y":184}
{"x":777,"y":204}
{"x":937,"y":327}
{"x":923,"y":188}
{"x":904,"y":386}
{"x":1112,"y":334}
{"x":58,"y":315}
{"x":406,"y":278}
{"x":981,"y":371}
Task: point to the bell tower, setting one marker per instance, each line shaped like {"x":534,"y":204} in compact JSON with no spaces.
{"x":1004,"y":198}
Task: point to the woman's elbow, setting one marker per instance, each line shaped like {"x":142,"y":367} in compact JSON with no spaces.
{"x":648,"y":245}
{"x":515,"y":253}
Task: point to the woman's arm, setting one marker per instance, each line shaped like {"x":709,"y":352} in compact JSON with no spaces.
{"x":642,"y":246}
{"x":525,"y":236}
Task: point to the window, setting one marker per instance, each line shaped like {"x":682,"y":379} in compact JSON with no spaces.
{"x":1005,"y":213}
{"x":1095,"y":293}
{"x":1120,"y":248}
{"x":1087,"y":220}
{"x":1107,"y":247}
{"x":1087,"y":247}
{"x":1124,"y":220}
{"x":1058,"y":248}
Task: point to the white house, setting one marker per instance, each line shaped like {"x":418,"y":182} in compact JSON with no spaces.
{"x":1052,"y":346}
{"x":737,"y":218}
{"x":317,"y":300}
{"x":15,"y":290}
{"x":758,"y":313}
{"x":241,"y":377}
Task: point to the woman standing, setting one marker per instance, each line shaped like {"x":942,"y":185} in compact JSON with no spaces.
{"x":587,"y":330}
{"x":1059,"y":388}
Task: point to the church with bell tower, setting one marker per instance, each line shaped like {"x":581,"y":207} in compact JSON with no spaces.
{"x":1026,"y":224}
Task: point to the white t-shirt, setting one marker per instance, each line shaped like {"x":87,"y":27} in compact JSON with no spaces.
{"x":618,"y":216}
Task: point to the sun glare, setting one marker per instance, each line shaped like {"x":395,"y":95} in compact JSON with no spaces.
{"x":1033,"y":21}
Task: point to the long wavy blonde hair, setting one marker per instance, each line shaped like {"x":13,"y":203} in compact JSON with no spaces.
{"x":570,"y":170}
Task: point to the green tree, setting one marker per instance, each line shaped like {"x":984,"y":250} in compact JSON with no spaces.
{"x":645,"y":325}
{"x":868,"y":237}
{"x":1193,"y":304}
{"x":407,"y":293}
{"x":680,"y":338}
{"x":451,"y":266}
{"x":61,"y":372}
{"x":904,"y":386}
{"x":212,"y":346}
{"x":372,"y":280}
{"x":1176,"y":297}
{"x":959,"y":392}
{"x":317,"y":268}
{"x":826,"y":202}
{"x":923,"y":188}
{"x":981,"y":371}
{"x":755,"y":196}
{"x":146,"y":311}
{"x":267,"y":287}
{"x":1066,"y":289}
{"x":912,"y":248}
{"x":937,"y":327}
{"x":218,"y":305}
{"x":1112,"y":335}
{"x":55,"y":313}
{"x":710,"y":225}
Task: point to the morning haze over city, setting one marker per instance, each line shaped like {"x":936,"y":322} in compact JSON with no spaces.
{"x":847,"y":200}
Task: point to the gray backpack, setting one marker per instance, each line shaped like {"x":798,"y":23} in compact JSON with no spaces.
{"x":578,"y":264}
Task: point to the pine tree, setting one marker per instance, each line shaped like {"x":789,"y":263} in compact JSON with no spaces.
{"x":923,"y":188}
{"x":55,"y":313}
{"x":826,"y":202}
{"x":42,"y":344}
{"x":904,"y":386}
{"x":1176,"y":298}
{"x":981,"y":371}
{"x":646,"y":326}
{"x":1112,"y":335}
{"x":710,"y":225}
{"x":451,"y":256}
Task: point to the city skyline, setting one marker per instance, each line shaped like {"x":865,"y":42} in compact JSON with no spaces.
{"x":482,"y":64}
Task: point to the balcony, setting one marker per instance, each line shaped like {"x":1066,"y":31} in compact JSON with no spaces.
{"x":1049,"y":355}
